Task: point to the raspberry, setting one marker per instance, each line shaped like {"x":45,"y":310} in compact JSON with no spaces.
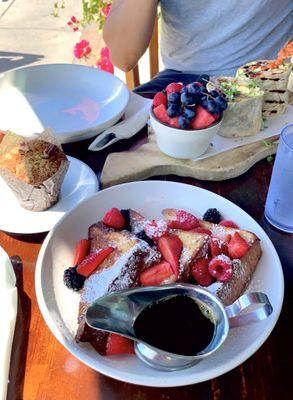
{"x":200,"y":272}
{"x":160,"y":98}
{"x":72,"y":279}
{"x":212,"y":215}
{"x":220,"y":267}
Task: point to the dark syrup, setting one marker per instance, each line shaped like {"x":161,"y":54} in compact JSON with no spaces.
{"x":176,"y":325}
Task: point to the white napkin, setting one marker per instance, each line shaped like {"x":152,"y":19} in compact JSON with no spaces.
{"x":135,"y":118}
{"x":8,"y":311}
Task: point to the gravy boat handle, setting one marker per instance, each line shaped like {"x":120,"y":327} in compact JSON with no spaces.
{"x":261,"y":309}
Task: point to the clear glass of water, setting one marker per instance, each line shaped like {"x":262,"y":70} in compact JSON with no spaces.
{"x":279,"y":203}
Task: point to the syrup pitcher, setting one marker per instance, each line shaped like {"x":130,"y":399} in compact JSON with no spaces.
{"x":118,"y":311}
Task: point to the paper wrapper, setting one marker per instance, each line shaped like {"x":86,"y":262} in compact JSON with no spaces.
{"x":34,"y":197}
{"x":274,"y":83}
{"x":242,"y":117}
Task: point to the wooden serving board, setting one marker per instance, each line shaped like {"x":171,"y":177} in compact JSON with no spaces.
{"x":148,"y":160}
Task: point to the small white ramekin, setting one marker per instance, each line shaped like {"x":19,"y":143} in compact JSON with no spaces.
{"x":183,"y":143}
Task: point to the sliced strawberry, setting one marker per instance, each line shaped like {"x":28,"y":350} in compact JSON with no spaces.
{"x":174,"y":87}
{"x":203,"y":119}
{"x":202,"y":230}
{"x":200,"y":272}
{"x":180,"y":219}
{"x":160,"y":98}
{"x":155,"y":229}
{"x":82,"y":249}
{"x":170,"y":248}
{"x":158,"y":274}
{"x":225,"y":237}
{"x":92,"y":261}
{"x":220,"y":267}
{"x":161,"y":113}
{"x":174,"y":122}
{"x":229,"y":224}
{"x":237,"y":246}
{"x":218,"y":247}
{"x":118,"y":344}
{"x":114,"y":219}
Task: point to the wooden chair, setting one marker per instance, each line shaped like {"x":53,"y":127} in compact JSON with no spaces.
{"x":132,"y":77}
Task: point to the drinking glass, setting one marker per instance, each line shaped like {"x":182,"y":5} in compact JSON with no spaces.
{"x":279,"y":203}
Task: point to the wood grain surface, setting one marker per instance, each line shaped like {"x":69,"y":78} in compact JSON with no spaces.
{"x":41,"y":369}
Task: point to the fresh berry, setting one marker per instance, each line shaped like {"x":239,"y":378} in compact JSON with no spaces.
{"x":117,"y":344}
{"x":174,"y":122}
{"x":220,"y":267}
{"x":184,"y":89}
{"x":114,"y":219}
{"x":174,"y":97}
{"x":174,"y":87}
{"x":203,"y":119}
{"x":72,"y":279}
{"x":237,"y":246}
{"x":200,"y":272}
{"x":142,"y":235}
{"x":180,"y":219}
{"x":202,"y":230}
{"x":218,"y":247}
{"x":173,"y":110}
{"x":212,"y":215}
{"x":156,"y":229}
{"x":223,"y":236}
{"x":82,"y":249}
{"x":161,"y":113}
{"x":160,"y":98}
{"x":212,"y":107}
{"x":92,"y":261}
{"x":195,"y":87}
{"x":158,"y":274}
{"x":203,"y":79}
{"x":183,"y":122}
{"x":229,"y":224}
{"x":170,"y":248}
{"x":222,"y":103}
{"x":214,"y":93}
{"x":187,"y":99}
{"x":189,"y":112}
{"x":126,"y":215}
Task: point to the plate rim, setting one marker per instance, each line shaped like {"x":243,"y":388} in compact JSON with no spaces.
{"x":222,"y":369}
{"x":50,"y":226}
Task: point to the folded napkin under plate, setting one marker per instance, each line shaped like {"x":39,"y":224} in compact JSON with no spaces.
{"x":135,"y":118}
{"x":8,"y":312}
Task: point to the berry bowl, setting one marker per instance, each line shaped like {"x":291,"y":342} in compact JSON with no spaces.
{"x":183,"y":143}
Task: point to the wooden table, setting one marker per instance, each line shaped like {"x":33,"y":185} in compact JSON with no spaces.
{"x":41,"y":369}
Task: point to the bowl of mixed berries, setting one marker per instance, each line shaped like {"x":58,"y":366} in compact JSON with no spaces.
{"x":185,"y":118}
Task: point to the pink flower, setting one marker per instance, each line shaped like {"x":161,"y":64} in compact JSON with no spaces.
{"x":82,"y":49}
{"x":105,"y":65}
{"x":73,"y":23}
{"x":73,"y":19}
{"x":105,"y":52}
{"x":105,"y":10}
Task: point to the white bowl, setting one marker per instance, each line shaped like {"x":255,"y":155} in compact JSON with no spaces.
{"x":183,"y":143}
{"x":74,"y":100}
{"x":59,"y":305}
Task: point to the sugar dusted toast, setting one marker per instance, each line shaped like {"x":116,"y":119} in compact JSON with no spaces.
{"x":120,"y":270}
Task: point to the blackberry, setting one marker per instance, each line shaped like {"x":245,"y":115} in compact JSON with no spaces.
{"x":143,"y":236}
{"x":72,"y":279}
{"x":212,"y":215}
{"x":126,"y":215}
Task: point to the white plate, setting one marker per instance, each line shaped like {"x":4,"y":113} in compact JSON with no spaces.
{"x":59,"y":305}
{"x":74,"y":100}
{"x":80,"y":182}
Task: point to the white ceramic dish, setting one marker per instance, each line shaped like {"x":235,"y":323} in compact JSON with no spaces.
{"x":183,"y":143}
{"x":80,"y":182}
{"x":59,"y":305}
{"x":74,"y":100}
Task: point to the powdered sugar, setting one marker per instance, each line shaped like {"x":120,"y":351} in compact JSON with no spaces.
{"x":156,"y":229}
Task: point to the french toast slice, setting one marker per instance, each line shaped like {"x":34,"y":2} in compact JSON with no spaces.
{"x":120,"y":270}
{"x":243,"y":268}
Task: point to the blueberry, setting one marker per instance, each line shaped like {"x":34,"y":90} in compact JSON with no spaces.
{"x":222,"y":103}
{"x":203,"y":101}
{"x":194,"y":88}
{"x":187,"y":99}
{"x":189,"y":112}
{"x":214,"y":93}
{"x":212,"y":107}
{"x":174,"y":97}
{"x":203,"y":79}
{"x":184,"y":90}
{"x":173,"y":110}
{"x":183,"y":122}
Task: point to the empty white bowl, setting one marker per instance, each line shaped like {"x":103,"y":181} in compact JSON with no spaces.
{"x":183,"y":143}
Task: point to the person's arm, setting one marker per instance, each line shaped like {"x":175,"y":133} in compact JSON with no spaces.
{"x":128,"y":30}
